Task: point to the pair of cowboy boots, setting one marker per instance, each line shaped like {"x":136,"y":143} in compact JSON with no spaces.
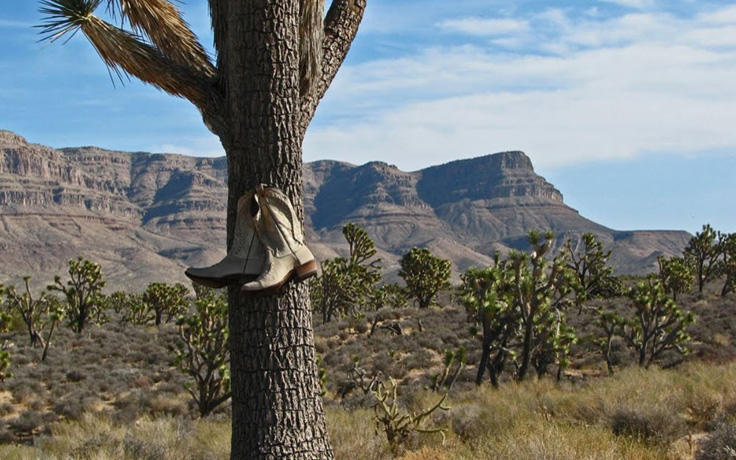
{"x":268,"y":246}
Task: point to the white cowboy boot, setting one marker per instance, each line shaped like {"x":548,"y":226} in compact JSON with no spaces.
{"x":245,"y":260}
{"x":281,"y":233}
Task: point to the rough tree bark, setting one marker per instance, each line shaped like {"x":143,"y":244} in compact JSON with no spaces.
{"x":256,"y":101}
{"x":277,"y":410}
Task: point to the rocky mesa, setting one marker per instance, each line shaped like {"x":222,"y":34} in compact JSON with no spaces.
{"x":146,"y":217}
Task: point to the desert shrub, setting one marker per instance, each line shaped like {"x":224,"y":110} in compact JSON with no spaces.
{"x":69,"y":408}
{"x":75,"y":376}
{"x":651,"y":425}
{"x":5,"y":409}
{"x":27,"y":421}
{"x":144,"y":450}
{"x":720,"y":445}
{"x":168,"y":405}
{"x":6,"y":436}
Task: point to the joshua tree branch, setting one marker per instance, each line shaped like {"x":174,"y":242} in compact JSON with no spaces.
{"x":162,"y":22}
{"x":341,"y":26}
{"x":125,"y":54}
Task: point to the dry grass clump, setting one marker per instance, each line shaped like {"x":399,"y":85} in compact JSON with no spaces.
{"x":97,"y":437}
{"x":635,"y":415}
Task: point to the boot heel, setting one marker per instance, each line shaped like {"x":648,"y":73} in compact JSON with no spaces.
{"x":305,"y":271}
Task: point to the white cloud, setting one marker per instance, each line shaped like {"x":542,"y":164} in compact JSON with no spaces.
{"x":615,"y":88}
{"x":206,"y":146}
{"x":484,"y":27}
{"x":7,"y":24}
{"x":636,"y":4}
{"x":721,"y":16}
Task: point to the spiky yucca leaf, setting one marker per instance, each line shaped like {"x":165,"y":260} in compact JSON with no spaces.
{"x":65,"y":16}
{"x":124,"y":53}
{"x":163,"y":24}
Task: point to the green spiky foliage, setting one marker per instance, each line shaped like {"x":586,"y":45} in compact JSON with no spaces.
{"x":345,"y":284}
{"x":130,"y":306}
{"x":165,"y":301}
{"x":388,"y":295}
{"x":83,"y":294}
{"x":704,"y":252}
{"x":203,"y":350}
{"x":425,"y":275}
{"x":676,"y":275}
{"x":655,"y":325}
{"x":595,"y":277}
{"x":554,"y":339}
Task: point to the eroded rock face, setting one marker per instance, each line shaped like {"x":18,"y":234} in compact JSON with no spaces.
{"x":503,"y":176}
{"x":146,"y":217}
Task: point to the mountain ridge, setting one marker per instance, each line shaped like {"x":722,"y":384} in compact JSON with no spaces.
{"x":146,"y":216}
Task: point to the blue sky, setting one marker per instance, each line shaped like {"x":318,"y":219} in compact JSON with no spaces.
{"x":627,"y":106}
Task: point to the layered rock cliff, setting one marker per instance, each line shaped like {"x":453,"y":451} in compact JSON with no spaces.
{"x":146,"y":217}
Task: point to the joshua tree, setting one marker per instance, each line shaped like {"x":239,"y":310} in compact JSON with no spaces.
{"x":5,"y":319}
{"x":29,"y":309}
{"x":203,"y":350}
{"x":540,"y":291}
{"x":165,"y":301}
{"x":274,"y":61}
{"x":676,"y":275}
{"x":728,"y":262}
{"x":346,"y":283}
{"x":590,"y":264}
{"x":85,"y":303}
{"x":657,"y":324}
{"x":704,"y":252}
{"x":489,"y":302}
{"x":425,"y":275}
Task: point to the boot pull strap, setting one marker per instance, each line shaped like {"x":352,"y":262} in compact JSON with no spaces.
{"x":280,"y":200}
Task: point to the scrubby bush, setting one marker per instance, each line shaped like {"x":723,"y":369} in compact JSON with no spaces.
{"x":720,"y":445}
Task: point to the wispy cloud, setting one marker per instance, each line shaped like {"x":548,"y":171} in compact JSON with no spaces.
{"x":614,"y":87}
{"x":6,"y":24}
{"x":636,"y":4}
{"x":206,"y":146}
{"x":484,"y":27}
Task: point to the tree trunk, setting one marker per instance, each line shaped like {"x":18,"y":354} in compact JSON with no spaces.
{"x":483,"y":365}
{"x":277,"y":410}
{"x":526,"y":352}
{"x":643,"y":354}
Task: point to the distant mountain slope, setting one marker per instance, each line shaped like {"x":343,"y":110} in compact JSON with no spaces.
{"x":148,"y":216}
